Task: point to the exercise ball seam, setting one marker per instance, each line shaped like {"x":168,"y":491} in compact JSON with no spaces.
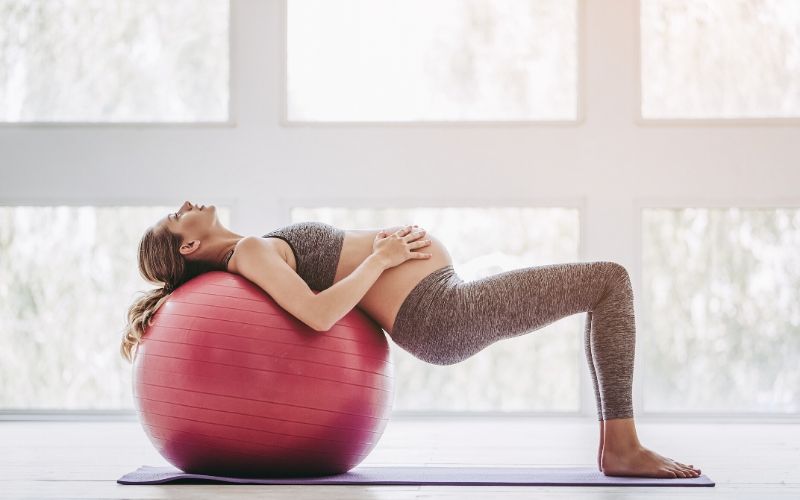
{"x":268,"y":418}
{"x":274,"y":356}
{"x":268,"y":401}
{"x":385,"y":360}
{"x":233,"y":439}
{"x":275,"y":315}
{"x":270,"y":371}
{"x":312,"y":438}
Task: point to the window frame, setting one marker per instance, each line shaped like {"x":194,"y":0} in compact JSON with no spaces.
{"x":580,"y":90}
{"x":642,"y":203}
{"x":230,"y":122}
{"x":641,"y":121}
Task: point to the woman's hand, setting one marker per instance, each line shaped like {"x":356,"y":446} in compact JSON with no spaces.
{"x":398,"y":247}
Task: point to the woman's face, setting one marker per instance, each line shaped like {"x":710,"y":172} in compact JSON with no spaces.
{"x":191,"y":221}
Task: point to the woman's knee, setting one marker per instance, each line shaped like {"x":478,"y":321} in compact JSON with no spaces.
{"x":616,"y":273}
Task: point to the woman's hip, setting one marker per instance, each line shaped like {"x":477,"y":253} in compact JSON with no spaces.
{"x":427,"y":297}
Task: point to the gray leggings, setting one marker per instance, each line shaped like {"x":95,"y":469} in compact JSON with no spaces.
{"x":445,"y":320}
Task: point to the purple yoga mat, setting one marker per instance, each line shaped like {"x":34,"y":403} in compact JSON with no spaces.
{"x":467,"y":476}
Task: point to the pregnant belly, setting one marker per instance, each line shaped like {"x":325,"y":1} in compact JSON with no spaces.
{"x":383,"y":300}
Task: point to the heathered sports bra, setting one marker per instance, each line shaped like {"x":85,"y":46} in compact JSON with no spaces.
{"x":316,"y":247}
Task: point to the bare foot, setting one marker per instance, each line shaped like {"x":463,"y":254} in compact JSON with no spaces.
{"x":643,"y":462}
{"x":624,"y":455}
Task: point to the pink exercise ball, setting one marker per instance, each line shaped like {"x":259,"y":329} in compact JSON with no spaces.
{"x":226,"y":382}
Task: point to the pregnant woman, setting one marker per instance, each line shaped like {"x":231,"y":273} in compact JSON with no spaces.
{"x":404,"y":279}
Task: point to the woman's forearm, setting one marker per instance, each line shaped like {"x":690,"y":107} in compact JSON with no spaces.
{"x":336,"y":301}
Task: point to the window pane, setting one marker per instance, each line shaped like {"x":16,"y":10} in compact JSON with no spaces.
{"x":720,"y":59}
{"x":120,"y":61}
{"x":67,"y":278}
{"x":535,"y":371}
{"x":721,"y":331}
{"x":458,"y":60}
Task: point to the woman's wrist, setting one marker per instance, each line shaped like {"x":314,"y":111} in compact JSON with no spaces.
{"x":380,"y":260}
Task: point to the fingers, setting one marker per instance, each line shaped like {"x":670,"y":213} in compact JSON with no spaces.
{"x":408,"y":235}
{"x":403,"y":231}
{"x":419,"y":244}
{"x":406,"y":229}
{"x":415,"y":235}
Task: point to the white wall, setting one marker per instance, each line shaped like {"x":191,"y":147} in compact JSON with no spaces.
{"x":609,"y":161}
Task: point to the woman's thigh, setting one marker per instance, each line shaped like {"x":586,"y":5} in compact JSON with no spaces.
{"x":447,"y":319}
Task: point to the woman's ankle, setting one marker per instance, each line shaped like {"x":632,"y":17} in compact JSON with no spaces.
{"x":620,"y":435}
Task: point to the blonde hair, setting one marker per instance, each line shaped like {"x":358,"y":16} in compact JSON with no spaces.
{"x":160,"y":261}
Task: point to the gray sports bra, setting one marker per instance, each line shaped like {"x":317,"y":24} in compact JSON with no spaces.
{"x":316,"y":247}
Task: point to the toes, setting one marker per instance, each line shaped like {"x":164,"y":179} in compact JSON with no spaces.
{"x":688,"y":469}
{"x":691,"y":467}
{"x":691,"y":473}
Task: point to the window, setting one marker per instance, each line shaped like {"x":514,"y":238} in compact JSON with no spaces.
{"x":67,"y":278}
{"x":721,"y":330}
{"x":121,"y":61}
{"x":720,"y":59}
{"x":456,"y":60}
{"x":536,"y":371}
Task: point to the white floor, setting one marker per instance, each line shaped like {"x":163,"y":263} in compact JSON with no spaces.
{"x":84,"y":459}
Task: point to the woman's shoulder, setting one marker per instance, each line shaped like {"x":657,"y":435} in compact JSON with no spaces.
{"x":253,"y":242}
{"x":250,"y":245}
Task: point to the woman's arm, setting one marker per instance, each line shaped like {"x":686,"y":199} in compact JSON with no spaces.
{"x":337,"y":300}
